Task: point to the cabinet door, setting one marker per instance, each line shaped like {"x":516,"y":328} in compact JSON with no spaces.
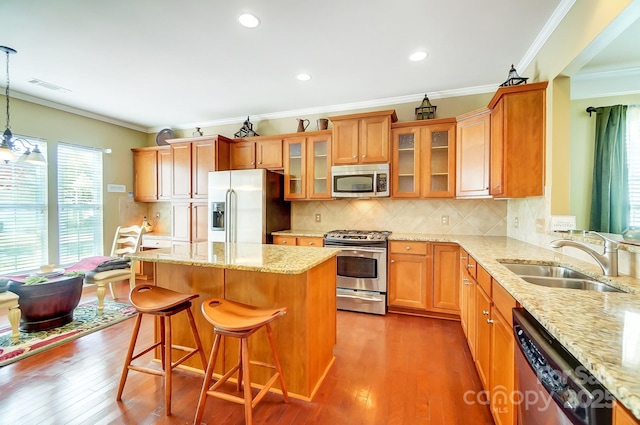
{"x":345,"y":142}
{"x":621,"y":416}
{"x":284,"y":240}
{"x":373,"y":139}
{"x":445,"y":292}
{"x":472,"y":156}
{"x":294,"y":168}
{"x":203,"y":161}
{"x":269,"y":154}
{"x":472,"y":325}
{"x":181,"y":170}
{"x":165,"y":179}
{"x":145,"y":175}
{"x":199,"y":225}
{"x":408,"y":279}
{"x":439,"y":161}
{"x":464,"y":292}
{"x":483,"y":336}
{"x":502,"y":370}
{"x":242,"y":155}
{"x":405,"y":169}
{"x":319,"y":167}
{"x":181,"y":222}
{"x":497,"y":153}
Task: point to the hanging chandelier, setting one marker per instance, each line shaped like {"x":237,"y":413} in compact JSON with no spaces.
{"x":10,"y":146}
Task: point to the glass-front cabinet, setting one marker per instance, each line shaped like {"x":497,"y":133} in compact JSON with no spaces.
{"x":307,"y":166}
{"x":424,"y":159}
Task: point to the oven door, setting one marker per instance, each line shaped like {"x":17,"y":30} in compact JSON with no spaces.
{"x":362,"y":269}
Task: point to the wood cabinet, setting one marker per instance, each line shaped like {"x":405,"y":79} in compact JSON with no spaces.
{"x":423,"y":159}
{"x":445,"y":291}
{"x":165,"y":177}
{"x":518,"y":128}
{"x":298,"y":240}
{"x":189,"y":222}
{"x":362,"y":138}
{"x":256,"y":152}
{"x":181,"y":170}
{"x":483,"y":335}
{"x":468,"y":299}
{"x":408,"y":275}
{"x":307,"y":166}
{"x":145,"y":174}
{"x":621,"y":416}
{"x":473,"y":141}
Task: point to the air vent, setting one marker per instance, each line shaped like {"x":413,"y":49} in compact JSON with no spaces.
{"x":49,"y":86}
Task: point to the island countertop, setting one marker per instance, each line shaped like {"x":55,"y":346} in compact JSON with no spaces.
{"x":241,"y":256}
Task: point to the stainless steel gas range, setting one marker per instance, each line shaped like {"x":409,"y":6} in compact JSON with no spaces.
{"x":362,"y":269}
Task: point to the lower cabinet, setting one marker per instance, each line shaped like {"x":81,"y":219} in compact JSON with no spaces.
{"x":468,"y":299}
{"x":621,"y":416}
{"x":423,"y":278}
{"x":298,"y":240}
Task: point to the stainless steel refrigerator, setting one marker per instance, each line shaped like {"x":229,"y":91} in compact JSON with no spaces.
{"x":246,"y":206}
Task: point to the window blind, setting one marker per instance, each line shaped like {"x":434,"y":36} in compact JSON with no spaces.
{"x":23,"y":214}
{"x":633,"y":163}
{"x":79,"y":202}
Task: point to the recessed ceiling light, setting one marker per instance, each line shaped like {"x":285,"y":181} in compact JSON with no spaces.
{"x":248,"y":20}
{"x":418,"y":56}
{"x":303,"y":77}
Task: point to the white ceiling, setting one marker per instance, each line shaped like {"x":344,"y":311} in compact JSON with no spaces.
{"x":163,"y":63}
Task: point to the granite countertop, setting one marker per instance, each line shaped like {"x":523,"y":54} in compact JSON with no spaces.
{"x":601,"y":329}
{"x":241,"y":256}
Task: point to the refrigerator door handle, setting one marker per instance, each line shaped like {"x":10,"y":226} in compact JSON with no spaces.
{"x":227,"y":225}
{"x":233,"y":219}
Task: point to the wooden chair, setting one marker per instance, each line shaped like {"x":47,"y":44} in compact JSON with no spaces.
{"x":162,"y":303}
{"x":126,"y":241}
{"x":235,"y":320}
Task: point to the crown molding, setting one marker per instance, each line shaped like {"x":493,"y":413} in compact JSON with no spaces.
{"x":605,"y":83}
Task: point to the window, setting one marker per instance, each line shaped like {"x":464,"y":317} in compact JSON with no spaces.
{"x":79,"y":202}
{"x":23,"y":214}
{"x":633,"y":163}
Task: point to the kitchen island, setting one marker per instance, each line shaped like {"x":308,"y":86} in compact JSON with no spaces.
{"x":299,"y":278}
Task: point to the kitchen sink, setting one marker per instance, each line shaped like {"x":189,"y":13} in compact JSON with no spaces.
{"x":557,"y":277}
{"x":559,"y":282}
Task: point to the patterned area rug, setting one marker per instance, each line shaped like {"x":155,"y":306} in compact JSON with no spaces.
{"x":85,"y":321}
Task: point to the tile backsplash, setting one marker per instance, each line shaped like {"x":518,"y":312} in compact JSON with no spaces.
{"x":468,"y":217}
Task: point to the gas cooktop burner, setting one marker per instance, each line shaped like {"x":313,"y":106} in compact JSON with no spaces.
{"x":357,"y":235}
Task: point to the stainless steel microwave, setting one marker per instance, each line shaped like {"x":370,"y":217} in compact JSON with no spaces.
{"x":360,"y":181}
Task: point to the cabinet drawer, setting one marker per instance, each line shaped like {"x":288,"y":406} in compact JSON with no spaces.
{"x":284,"y":240}
{"x":404,"y":247}
{"x":310,"y":241}
{"x":484,"y":280}
{"x":155,"y":243}
{"x":503,"y":301}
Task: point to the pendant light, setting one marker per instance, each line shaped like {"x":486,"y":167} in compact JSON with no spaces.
{"x":9,"y":144}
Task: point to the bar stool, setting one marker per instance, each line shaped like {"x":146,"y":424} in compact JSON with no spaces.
{"x":235,"y":320}
{"x":163,"y":303}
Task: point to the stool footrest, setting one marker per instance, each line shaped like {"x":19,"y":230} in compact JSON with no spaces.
{"x":264,"y":390}
{"x":225,"y":396}
{"x":146,"y":370}
{"x":190,"y":352}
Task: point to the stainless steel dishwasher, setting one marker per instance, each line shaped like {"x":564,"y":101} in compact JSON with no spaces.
{"x":554,"y":388}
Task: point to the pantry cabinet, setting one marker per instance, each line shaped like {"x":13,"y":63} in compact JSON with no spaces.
{"x":518,"y":126}
{"x":362,"y":138}
{"x":423,"y":159}
{"x":256,"y":152}
{"x":473,"y":142}
{"x":307,"y":166}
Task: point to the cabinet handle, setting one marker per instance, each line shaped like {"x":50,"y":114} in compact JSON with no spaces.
{"x":470,"y":266}
{"x":310,"y":243}
{"x":259,"y":162}
{"x":284,"y":242}
{"x":489,"y":321}
{"x":485,"y":313}
{"x":355,"y":156}
{"x":463,"y":258}
{"x":392,"y":261}
{"x":466,"y":281}
{"x":407,"y":248}
{"x":364,"y":156}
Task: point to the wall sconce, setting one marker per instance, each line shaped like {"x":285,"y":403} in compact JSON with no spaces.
{"x":9,"y":145}
{"x":426,"y":110}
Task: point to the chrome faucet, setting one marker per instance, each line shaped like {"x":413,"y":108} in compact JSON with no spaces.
{"x":607,"y":260}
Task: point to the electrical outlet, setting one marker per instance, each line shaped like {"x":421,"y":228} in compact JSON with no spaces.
{"x":516,"y":222}
{"x":318,"y":218}
{"x":444,"y":219}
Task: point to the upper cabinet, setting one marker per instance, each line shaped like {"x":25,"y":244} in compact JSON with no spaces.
{"x":423,"y":159}
{"x":256,"y":152}
{"x":518,"y":140}
{"x":472,"y":154}
{"x":151,"y":173}
{"x":191,"y":161}
{"x":307,"y":166}
{"x":362,"y":138}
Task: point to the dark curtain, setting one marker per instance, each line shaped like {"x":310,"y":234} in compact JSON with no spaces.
{"x":610,"y":191}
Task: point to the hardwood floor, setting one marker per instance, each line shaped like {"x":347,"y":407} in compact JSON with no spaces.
{"x":389,"y":370}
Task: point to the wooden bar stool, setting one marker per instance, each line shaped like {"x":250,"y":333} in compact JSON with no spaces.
{"x":163,"y":303}
{"x":231,"y":319}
